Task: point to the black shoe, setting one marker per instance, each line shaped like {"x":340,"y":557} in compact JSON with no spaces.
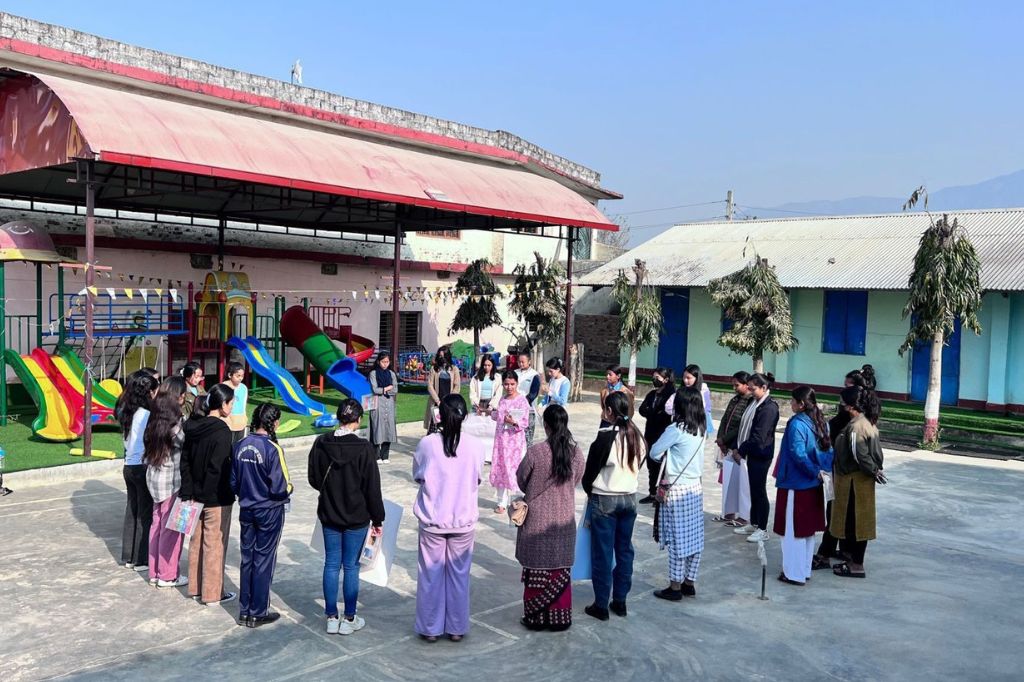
{"x":618,"y":608}
{"x":647,"y":500}
{"x":244,"y":621}
{"x":256,"y":621}
{"x":536,"y":627}
{"x":559,"y":628}
{"x":669,"y":594}
{"x":595,"y":612}
{"x":689,"y":590}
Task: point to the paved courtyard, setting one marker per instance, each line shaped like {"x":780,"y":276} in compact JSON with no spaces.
{"x":944,"y":596}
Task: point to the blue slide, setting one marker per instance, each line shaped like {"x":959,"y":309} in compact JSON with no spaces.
{"x":344,"y":376}
{"x":259,"y":360}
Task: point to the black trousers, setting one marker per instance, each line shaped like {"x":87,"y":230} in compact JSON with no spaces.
{"x":653,"y":469}
{"x":757,"y":474}
{"x":383,"y":451}
{"x":831,"y":545}
{"x":261,"y":533}
{"x":855,"y":547}
{"x":138,"y":517}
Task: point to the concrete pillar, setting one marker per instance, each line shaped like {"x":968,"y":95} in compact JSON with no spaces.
{"x":999,"y":344}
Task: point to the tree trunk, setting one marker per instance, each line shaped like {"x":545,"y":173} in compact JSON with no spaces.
{"x":759,"y":363}
{"x":934,"y":398}
{"x":632,"y":369}
{"x":476,"y":345}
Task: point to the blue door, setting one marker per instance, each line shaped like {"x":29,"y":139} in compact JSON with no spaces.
{"x":675,"y":309}
{"x":950,"y":369}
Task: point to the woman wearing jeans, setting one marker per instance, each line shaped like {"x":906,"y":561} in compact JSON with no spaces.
{"x":610,"y":481}
{"x":343,"y":467}
{"x":132,"y":412}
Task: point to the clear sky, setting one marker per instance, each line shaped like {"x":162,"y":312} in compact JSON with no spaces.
{"x":673,"y":102}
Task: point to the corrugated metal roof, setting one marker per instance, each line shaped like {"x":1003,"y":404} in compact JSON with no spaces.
{"x":840,"y":252}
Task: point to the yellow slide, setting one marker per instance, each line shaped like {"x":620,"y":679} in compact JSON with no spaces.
{"x":76,"y":383}
{"x":58,"y":417}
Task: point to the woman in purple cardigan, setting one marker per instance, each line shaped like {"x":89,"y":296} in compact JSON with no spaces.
{"x":546,"y":544}
{"x":447,"y":467}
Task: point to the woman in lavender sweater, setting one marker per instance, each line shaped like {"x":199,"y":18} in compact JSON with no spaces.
{"x":447,"y":467}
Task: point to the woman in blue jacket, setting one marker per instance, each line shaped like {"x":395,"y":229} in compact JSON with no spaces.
{"x":800,"y":503}
{"x":259,"y":476}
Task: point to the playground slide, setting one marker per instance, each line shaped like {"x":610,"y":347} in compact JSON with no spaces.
{"x":55,"y":420}
{"x":300,"y":331}
{"x":105,"y":392}
{"x":260,"y":361}
{"x":74,"y":399}
{"x":72,"y":377}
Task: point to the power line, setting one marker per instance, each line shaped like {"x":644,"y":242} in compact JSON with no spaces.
{"x":784,"y":210}
{"x":673,"y":223}
{"x":671,"y":208}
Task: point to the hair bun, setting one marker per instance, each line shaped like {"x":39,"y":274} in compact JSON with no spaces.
{"x":770,"y":377}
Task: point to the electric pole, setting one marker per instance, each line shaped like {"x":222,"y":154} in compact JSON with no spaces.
{"x":728,"y":205}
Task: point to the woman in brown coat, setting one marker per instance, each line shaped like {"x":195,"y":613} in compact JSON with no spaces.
{"x":857,"y":467}
{"x":546,"y":544}
{"x":444,"y":380}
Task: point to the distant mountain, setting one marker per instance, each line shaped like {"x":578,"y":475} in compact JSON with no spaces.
{"x":1005,"y":191}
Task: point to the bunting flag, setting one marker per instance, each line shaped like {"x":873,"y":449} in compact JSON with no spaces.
{"x":92,"y":290}
{"x":82,"y":292}
{"x":143,"y":293}
{"x":174,"y":295}
{"x":159,"y":292}
{"x":130,"y":293}
{"x":111,"y":293}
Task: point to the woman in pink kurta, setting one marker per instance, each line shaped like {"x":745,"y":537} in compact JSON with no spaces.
{"x":513,"y":416}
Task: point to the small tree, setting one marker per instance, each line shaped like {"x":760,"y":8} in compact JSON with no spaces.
{"x":945,"y":285}
{"x":538,"y":302}
{"x":639,"y":313}
{"x":759,"y":309}
{"x":477,"y":310}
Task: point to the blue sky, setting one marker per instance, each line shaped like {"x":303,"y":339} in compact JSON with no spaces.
{"x":673,"y":102}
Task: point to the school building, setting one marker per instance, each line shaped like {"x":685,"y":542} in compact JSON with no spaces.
{"x":847,"y":282}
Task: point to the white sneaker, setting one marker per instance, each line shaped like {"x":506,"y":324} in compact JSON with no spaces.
{"x":347,"y":627}
{"x":332,"y":625}
{"x":180,"y":581}
{"x":141,"y":567}
{"x":153,"y":582}
{"x":744,"y":530}
{"x":758,"y":536}
{"x":228,"y":596}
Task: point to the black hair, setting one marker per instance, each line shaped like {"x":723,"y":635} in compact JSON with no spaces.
{"x":136,"y":394}
{"x":694,"y":371}
{"x":804,"y":396}
{"x":218,"y":396}
{"x":480,"y":373}
{"x":446,"y":353}
{"x":863,"y":400}
{"x":189,"y":369}
{"x":453,"y":413}
{"x":614,"y":369}
{"x":378,"y":359}
{"x":556,"y":363}
{"x":688,"y":411}
{"x":765,"y":380}
{"x":349,"y":411}
{"x":667,"y":374}
{"x":618,"y":404}
{"x":264,"y":417}
{"x":234,"y":367}
{"x":509,"y":374}
{"x":151,"y":371}
{"x":563,"y":445}
{"x":201,"y":406}
{"x":164,"y":419}
{"x":741,"y":376}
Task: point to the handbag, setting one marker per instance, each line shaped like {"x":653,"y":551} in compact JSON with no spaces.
{"x":517,"y":510}
{"x":661,"y":494}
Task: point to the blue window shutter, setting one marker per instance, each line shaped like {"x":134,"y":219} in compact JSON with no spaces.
{"x":834,"y":323}
{"x":727,"y":322}
{"x":856,"y":321}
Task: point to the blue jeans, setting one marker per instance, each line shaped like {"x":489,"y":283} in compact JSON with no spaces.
{"x":342,"y":548}
{"x":611,"y":534}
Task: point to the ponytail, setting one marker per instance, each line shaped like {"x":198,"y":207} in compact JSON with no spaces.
{"x":618,"y":404}
{"x":561,"y":442}
{"x":804,"y":395}
{"x":864,"y":401}
{"x":453,"y":413}
{"x":762,"y":380}
{"x":264,"y":417}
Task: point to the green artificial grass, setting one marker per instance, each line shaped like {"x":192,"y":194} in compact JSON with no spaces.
{"x":24,"y":451}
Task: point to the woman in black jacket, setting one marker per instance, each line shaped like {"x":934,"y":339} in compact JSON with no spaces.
{"x":757,"y":445}
{"x":206,"y":478}
{"x":657,"y":420}
{"x":343,"y":467}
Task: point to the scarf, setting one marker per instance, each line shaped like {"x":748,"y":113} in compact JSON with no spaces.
{"x":617,"y":386}
{"x":383,"y":377}
{"x":747,"y":422}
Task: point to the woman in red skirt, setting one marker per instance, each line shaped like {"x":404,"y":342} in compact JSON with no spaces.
{"x":800,"y":503}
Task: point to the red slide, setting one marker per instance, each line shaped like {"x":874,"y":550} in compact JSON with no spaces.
{"x":75,"y":400}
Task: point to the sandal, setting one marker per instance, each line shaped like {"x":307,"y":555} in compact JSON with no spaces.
{"x":784,"y":579}
{"x":819,"y":562}
{"x":720,"y":518}
{"x":735,"y":523}
{"x":843,"y":571}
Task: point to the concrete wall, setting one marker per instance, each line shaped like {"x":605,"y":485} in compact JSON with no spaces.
{"x":1015,"y":356}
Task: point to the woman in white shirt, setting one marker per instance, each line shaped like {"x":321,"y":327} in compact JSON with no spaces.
{"x":485,"y":388}
{"x":680,"y":516}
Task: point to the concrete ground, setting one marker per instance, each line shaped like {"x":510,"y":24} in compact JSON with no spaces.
{"x":944,"y":595}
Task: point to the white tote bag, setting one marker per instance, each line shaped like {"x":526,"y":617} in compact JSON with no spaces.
{"x":378,"y":572}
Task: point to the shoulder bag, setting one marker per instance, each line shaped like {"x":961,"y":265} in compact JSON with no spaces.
{"x":661,"y":495}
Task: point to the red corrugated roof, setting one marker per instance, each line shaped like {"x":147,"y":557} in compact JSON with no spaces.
{"x":137,"y":129}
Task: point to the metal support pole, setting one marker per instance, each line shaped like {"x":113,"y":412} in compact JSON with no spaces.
{"x":61,"y":322}
{"x":90,"y":301}
{"x":222,"y":225}
{"x":568,"y":296}
{"x":396,"y":282}
{"x":39,"y":305}
{"x":3,"y":347}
